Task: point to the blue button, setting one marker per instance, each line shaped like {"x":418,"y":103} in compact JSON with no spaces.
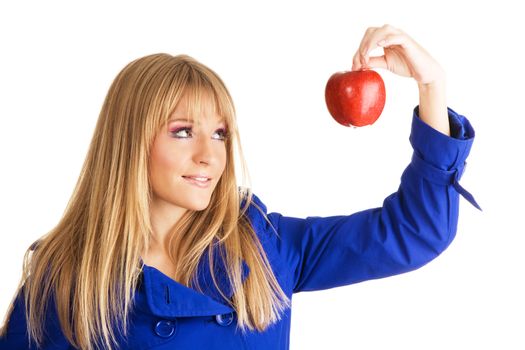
{"x":165,"y":328}
{"x":224,"y":319}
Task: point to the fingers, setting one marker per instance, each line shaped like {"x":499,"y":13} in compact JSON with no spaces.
{"x":360,"y":60}
{"x":375,"y":37}
{"x":393,"y":39}
{"x":377,"y":62}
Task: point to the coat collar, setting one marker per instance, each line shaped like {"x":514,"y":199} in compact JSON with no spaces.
{"x":165,"y":297}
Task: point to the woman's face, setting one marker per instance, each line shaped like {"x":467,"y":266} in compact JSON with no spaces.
{"x":187,"y":160}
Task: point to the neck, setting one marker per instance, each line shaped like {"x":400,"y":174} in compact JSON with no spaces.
{"x":163,"y":216}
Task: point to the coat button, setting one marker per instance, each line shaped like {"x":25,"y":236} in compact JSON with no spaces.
{"x":165,"y":328}
{"x":224,"y":319}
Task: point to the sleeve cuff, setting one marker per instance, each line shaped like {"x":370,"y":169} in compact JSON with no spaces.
{"x":440,"y":158}
{"x":442,"y":151}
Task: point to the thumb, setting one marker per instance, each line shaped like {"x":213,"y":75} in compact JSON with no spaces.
{"x":377,"y":62}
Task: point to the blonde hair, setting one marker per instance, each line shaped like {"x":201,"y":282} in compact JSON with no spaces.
{"x":90,"y":262}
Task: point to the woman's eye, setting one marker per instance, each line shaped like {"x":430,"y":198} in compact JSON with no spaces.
{"x":186,"y":132}
{"x":181,"y":133}
{"x":222,"y":134}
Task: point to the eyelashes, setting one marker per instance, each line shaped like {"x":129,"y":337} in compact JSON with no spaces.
{"x":186,"y":132}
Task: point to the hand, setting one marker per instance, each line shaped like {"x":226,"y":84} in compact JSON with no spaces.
{"x":402,"y":55}
{"x":405,"y":57}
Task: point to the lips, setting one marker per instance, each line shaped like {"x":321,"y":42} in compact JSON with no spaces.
{"x":201,"y":178}
{"x":198,"y":180}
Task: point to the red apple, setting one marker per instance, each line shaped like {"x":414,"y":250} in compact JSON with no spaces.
{"x":355,"y":98}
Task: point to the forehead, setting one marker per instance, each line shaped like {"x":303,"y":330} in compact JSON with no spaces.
{"x":196,"y":107}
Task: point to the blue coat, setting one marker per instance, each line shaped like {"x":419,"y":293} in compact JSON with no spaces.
{"x":414,"y":225}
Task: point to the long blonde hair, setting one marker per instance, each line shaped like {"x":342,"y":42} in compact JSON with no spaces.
{"x":90,"y":262}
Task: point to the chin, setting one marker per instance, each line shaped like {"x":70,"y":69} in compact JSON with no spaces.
{"x":199,"y":205}
{"x":200,"y":208}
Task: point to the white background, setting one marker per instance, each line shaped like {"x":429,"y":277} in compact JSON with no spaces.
{"x":57,"y":61}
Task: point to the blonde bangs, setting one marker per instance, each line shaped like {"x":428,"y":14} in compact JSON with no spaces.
{"x":203,"y":91}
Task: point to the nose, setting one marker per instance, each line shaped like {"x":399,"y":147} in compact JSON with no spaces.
{"x":204,"y":151}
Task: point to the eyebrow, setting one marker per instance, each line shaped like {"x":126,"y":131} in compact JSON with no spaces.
{"x":190,"y":120}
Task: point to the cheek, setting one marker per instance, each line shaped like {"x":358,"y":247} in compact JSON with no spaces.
{"x":223,"y":159}
{"x":162,"y":161}
{"x":165,"y":165}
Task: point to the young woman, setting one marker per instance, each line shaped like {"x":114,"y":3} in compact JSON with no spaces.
{"x":160,"y":249}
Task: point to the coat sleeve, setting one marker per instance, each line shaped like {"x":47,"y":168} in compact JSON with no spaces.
{"x":17,"y":336}
{"x":414,"y":225}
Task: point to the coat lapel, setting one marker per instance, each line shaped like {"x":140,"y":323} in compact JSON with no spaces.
{"x":205,"y":276}
{"x":166,"y":297}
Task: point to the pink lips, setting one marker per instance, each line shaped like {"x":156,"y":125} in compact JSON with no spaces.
{"x":198,"y":180}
